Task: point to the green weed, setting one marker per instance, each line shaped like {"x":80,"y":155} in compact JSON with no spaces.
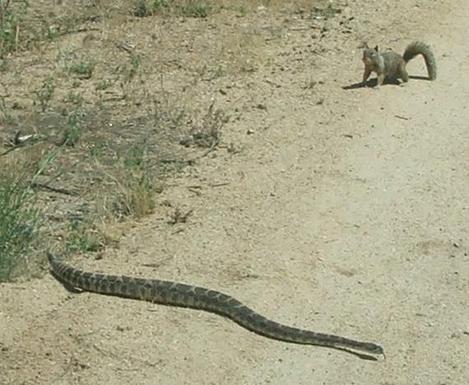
{"x":144,"y":8}
{"x":45,"y":93}
{"x":74,"y":128}
{"x":84,"y":70}
{"x":195,"y":9}
{"x":82,"y":238}
{"x":10,"y":21}
{"x":19,"y":223}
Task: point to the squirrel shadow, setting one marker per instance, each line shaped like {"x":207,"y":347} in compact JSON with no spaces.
{"x":373,"y":82}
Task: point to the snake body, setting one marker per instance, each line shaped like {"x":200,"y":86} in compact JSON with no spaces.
{"x":182,"y":295}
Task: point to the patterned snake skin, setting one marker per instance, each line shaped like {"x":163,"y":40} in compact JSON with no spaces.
{"x":178,"y":294}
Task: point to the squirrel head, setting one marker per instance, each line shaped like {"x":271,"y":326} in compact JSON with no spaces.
{"x":370,"y":55}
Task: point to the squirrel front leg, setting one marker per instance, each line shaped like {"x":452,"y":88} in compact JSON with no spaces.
{"x":380,"y":79}
{"x":366,"y":74}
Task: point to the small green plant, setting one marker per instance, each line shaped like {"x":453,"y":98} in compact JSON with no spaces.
{"x":84,"y":70}
{"x":135,"y":62}
{"x":328,"y":12}
{"x":144,"y":8}
{"x":73,"y":130}
{"x":141,"y":9}
{"x":19,"y":223}
{"x":133,"y":196}
{"x":103,"y":85}
{"x":45,"y":93}
{"x":188,"y":8}
{"x":217,"y":73}
{"x":74,"y":98}
{"x":140,"y":196}
{"x":10,"y":20}
{"x":135,"y":157}
{"x":134,"y":184}
{"x":82,"y":238}
{"x":138,"y":188}
{"x":5,"y":115}
{"x":98,"y":149}
{"x":65,"y":58}
{"x":195,"y":9}
{"x":3,"y":64}
{"x":160,"y":4}
{"x":40,"y":167}
{"x":52,"y":32}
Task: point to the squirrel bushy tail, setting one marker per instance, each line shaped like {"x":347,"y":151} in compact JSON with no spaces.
{"x":419,"y":48}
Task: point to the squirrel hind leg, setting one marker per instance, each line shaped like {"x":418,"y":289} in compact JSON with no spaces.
{"x":403,"y":73}
{"x":380,"y":79}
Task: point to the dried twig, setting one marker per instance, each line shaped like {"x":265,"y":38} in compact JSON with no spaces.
{"x":59,"y":190}
{"x":179,"y":217}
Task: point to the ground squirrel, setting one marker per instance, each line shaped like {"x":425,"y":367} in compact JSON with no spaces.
{"x":391,"y":65}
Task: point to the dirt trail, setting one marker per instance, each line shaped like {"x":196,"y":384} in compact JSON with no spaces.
{"x":347,"y":218}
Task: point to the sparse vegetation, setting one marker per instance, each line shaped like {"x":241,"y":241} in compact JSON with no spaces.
{"x":6,"y":117}
{"x":73,"y":130}
{"x":179,"y":216}
{"x":208,"y":134}
{"x":84,"y":70}
{"x":135,"y":62}
{"x":119,"y":105}
{"x":83,"y":237}
{"x":103,"y":85}
{"x":229,"y":144}
{"x":10,"y":21}
{"x":45,"y":93}
{"x":143,"y":8}
{"x":195,"y":9}
{"x":187,"y":8}
{"x":135,"y":191}
{"x":74,"y":98}
{"x":19,"y":223}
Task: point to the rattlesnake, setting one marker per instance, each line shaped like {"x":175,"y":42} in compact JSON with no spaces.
{"x":178,"y":294}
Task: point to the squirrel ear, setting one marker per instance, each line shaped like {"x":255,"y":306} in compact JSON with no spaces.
{"x":376,"y":48}
{"x":365,"y":45}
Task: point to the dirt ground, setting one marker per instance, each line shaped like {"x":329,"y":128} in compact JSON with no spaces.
{"x":344,"y":211}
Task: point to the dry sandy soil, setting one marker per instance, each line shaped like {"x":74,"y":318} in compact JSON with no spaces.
{"x":345,"y":211}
